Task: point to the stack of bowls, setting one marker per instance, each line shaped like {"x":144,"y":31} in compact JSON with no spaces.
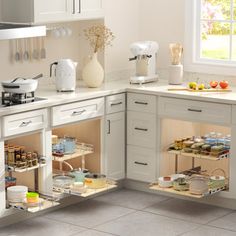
{"x":17,"y":193}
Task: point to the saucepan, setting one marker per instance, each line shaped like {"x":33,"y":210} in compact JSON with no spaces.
{"x":21,"y":85}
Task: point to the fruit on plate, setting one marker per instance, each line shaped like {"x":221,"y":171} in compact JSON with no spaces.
{"x":224,"y":84}
{"x":213,"y":84}
{"x":201,"y":86}
{"x":192,"y":85}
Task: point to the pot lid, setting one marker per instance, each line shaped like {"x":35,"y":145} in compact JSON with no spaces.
{"x":19,"y":81}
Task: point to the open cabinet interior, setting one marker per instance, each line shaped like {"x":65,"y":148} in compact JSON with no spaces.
{"x":194,"y":155}
{"x":77,"y":159}
{"x":87,"y":133}
{"x":24,"y":158}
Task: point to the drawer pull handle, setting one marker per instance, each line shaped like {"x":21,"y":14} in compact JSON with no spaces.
{"x":195,"y":110}
{"x":140,"y":163}
{"x":116,"y":104}
{"x":77,"y":113}
{"x":25,"y":123}
{"x":140,"y":129}
{"x":141,"y":103}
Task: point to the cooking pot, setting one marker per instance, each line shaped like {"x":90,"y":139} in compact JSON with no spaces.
{"x":180,"y":184}
{"x":79,"y":175}
{"x":165,"y":182}
{"x":63,"y":181}
{"x":21,"y":85}
{"x":198,"y":185}
{"x":217,"y":181}
{"x":69,"y":144}
{"x":95,"y":181}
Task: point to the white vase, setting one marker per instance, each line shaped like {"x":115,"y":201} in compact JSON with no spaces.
{"x":93,"y":73}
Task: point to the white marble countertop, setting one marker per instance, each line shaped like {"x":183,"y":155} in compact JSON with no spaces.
{"x":82,"y":93}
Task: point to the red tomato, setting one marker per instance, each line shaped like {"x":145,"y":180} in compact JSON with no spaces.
{"x":224,"y":84}
{"x":213,"y":84}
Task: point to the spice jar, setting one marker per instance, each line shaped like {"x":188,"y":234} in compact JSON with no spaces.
{"x":11,"y":156}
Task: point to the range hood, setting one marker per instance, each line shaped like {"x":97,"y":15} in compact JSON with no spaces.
{"x":15,"y":31}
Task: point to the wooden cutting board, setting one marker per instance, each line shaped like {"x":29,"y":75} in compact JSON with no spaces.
{"x":203,"y":90}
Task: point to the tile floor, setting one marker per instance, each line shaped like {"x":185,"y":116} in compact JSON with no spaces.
{"x":130,"y":213}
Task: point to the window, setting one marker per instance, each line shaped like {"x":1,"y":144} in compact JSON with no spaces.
{"x":211,"y":36}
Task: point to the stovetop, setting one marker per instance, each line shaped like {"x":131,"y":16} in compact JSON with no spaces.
{"x":12,"y":99}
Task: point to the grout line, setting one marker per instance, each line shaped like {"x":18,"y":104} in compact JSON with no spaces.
{"x":114,"y":219}
{"x":219,"y":217}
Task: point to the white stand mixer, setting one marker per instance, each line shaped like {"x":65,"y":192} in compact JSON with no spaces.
{"x":145,"y":55}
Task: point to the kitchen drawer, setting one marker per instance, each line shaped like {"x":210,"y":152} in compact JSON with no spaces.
{"x":195,"y":110}
{"x":142,"y":102}
{"x":141,"y":164}
{"x":77,"y":111}
{"x":141,"y":129}
{"x":24,"y":122}
{"x":115,"y":103}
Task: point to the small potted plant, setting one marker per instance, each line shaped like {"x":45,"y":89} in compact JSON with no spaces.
{"x":98,"y":36}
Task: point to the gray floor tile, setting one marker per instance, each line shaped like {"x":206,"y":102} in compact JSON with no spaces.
{"x":226,"y":222}
{"x":89,"y":213}
{"x":209,"y":231}
{"x":186,"y":210}
{"x":142,"y":223}
{"x":40,"y":226}
{"x":92,"y":233}
{"x":131,"y":199}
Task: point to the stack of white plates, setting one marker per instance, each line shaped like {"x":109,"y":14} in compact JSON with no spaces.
{"x":16,"y":193}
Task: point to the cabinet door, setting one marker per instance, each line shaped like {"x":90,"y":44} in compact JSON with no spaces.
{"x":53,"y":10}
{"x":87,"y":9}
{"x":115,"y":145}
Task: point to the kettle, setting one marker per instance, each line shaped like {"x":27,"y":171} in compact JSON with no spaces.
{"x":65,"y":73}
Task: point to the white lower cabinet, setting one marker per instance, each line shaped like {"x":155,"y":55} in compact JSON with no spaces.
{"x":141,"y":164}
{"x":115,"y":145}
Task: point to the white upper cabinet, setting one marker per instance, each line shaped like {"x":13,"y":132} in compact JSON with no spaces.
{"x":43,"y":11}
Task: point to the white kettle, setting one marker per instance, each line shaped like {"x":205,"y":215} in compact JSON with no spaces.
{"x":65,"y":72}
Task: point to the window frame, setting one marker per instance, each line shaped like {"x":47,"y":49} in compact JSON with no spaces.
{"x":192,"y":60}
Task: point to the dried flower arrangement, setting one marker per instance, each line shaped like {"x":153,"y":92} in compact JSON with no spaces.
{"x":99,"y":36}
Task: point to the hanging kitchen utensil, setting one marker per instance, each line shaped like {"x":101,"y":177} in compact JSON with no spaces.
{"x":35,"y":49}
{"x":21,"y":85}
{"x":26,"y":51}
{"x":17,"y":53}
{"x":43,"y":49}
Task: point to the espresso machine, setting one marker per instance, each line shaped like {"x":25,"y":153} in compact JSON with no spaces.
{"x":145,"y":55}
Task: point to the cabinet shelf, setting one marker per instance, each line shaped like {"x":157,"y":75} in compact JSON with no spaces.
{"x":80,"y":152}
{"x":89,"y":192}
{"x":43,"y":205}
{"x":200,"y":156}
{"x":156,"y":187}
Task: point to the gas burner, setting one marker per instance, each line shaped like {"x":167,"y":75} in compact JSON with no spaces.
{"x":10,"y":99}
